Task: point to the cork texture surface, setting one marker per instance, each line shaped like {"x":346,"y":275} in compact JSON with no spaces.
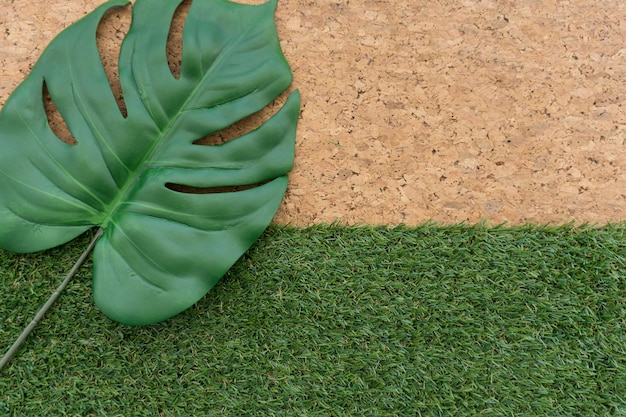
{"x":444,"y":110}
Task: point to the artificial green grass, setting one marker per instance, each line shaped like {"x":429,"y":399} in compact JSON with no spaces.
{"x":342,"y":321}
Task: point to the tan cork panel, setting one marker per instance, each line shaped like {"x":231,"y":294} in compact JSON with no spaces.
{"x":444,"y":110}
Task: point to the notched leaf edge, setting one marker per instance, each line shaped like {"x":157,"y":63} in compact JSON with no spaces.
{"x":56,"y":122}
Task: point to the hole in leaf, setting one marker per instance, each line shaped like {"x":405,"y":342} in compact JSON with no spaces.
{"x":187,"y":189}
{"x":174,"y":46}
{"x":111,"y":32}
{"x":247,"y":124}
{"x":55,"y":120}
{"x":252,"y":2}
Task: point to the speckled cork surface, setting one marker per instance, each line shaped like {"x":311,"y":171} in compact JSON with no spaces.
{"x":444,"y":110}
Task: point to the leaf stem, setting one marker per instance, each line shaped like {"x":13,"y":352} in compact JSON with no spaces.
{"x":16,"y":345}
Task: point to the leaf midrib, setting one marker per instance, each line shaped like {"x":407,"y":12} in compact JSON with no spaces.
{"x":155,"y":149}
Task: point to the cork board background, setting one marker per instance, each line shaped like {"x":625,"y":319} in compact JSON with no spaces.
{"x":445,"y":110}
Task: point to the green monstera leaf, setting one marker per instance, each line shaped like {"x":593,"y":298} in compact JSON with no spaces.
{"x":162,"y":248}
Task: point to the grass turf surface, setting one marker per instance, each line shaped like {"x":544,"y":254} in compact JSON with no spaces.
{"x":341,"y":321}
